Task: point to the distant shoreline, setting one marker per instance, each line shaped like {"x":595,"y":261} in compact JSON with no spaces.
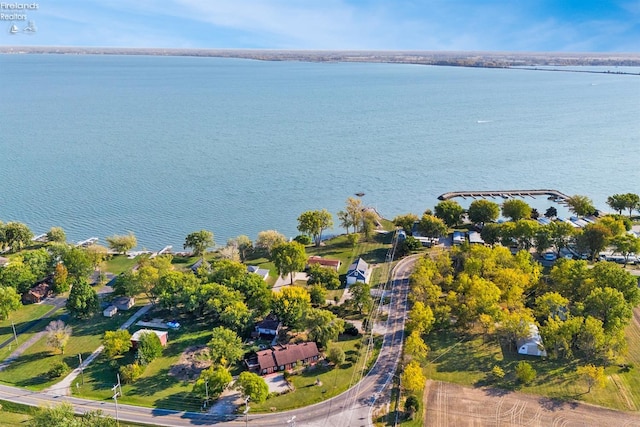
{"x":519,"y":60}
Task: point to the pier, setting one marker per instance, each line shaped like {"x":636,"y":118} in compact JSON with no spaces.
{"x":505,"y":194}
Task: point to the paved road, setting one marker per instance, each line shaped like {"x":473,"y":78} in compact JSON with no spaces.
{"x":350,"y":409}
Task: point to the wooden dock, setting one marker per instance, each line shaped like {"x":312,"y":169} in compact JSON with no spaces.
{"x":505,"y":194}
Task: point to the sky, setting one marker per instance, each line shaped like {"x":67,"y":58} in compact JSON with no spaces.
{"x":459,"y":25}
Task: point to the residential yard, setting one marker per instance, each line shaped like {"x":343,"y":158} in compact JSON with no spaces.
{"x":25,"y":336}
{"x":30,"y":369}
{"x":333,"y":381}
{"x":119,"y":264}
{"x":469,"y":360}
{"x":22,"y":318}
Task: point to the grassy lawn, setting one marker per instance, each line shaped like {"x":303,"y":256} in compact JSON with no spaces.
{"x":30,"y":369}
{"x":22,"y":318}
{"x":469,"y":360}
{"x":334,"y":381}
{"x":339,"y":248}
{"x":119,"y":264}
{"x":25,"y":336}
{"x":156,"y":388}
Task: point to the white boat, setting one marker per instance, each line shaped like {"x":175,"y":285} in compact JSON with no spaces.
{"x":14,"y":29}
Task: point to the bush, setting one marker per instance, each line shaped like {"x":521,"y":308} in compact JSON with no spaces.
{"x":303,"y":239}
{"x":525,"y":372}
{"x":336,"y":355}
{"x":58,"y":370}
{"x":130,"y":373}
{"x":497,"y":373}
{"x":350,"y":329}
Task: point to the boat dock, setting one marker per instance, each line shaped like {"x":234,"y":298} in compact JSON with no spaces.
{"x":505,"y":194}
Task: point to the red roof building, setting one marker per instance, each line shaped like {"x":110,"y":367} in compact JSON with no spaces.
{"x":284,"y":357}
{"x":325,"y":262}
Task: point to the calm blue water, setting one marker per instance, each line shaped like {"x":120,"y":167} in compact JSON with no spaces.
{"x":163,"y":146}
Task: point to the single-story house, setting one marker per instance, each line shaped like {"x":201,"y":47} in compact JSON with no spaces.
{"x":532,"y":344}
{"x":135,"y":338}
{"x":325,"y":262}
{"x":284,"y":357}
{"x":359,"y":271}
{"x":38,"y":293}
{"x":270,"y":325}
{"x":110,"y":311}
{"x":124,"y":303}
{"x":262,"y":272}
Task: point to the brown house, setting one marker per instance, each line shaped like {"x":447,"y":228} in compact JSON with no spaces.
{"x":38,"y":293}
{"x":284,"y":357}
{"x":325,"y":262}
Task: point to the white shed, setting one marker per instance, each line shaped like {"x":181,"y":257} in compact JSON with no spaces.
{"x":110,"y":311}
{"x":532,"y":345}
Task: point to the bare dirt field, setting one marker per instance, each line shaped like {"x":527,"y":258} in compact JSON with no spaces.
{"x":454,"y":405}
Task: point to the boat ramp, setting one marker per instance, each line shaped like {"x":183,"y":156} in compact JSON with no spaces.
{"x":505,"y":194}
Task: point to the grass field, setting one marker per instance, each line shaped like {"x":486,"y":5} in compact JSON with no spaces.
{"x":22,"y":318}
{"x":469,"y":360}
{"x":119,"y":264}
{"x":29,"y":369}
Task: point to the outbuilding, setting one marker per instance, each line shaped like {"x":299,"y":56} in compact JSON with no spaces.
{"x":135,"y":338}
{"x":110,"y":311}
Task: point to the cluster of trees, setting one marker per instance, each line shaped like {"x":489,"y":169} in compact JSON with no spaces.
{"x":358,"y":218}
{"x":63,"y":415}
{"x":117,"y":343}
{"x":627,"y":201}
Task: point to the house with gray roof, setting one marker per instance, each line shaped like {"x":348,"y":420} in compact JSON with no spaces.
{"x":359,"y":271}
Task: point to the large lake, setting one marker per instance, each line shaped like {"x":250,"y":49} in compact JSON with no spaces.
{"x":163,"y":146}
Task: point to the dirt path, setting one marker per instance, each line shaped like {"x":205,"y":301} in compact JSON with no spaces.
{"x":454,"y":405}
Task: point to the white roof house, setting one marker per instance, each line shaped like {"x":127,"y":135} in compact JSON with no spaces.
{"x":532,"y":345}
{"x":359,"y":271}
{"x":262,"y":272}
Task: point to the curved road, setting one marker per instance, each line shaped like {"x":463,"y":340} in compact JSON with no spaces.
{"x":350,"y":409}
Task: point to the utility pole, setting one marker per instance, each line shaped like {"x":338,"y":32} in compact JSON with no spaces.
{"x":81,"y":369}
{"x":206,"y":390}
{"x":246,"y":411}
{"x":117,"y":391}
{"x":15,"y":336}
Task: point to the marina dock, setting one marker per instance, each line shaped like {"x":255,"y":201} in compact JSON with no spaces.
{"x":505,"y":194}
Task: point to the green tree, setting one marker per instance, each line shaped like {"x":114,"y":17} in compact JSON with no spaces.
{"x":626,"y":244}
{"x":551,"y":212}
{"x":122,"y":243}
{"x":214,"y":380}
{"x":97,"y":254}
{"x":9,"y":301}
{"x":336,"y":355}
{"x":449,"y":211}
{"x":525,"y":372}
{"x":269,"y":239}
{"x":289,"y":258}
{"x":77,"y":262}
{"x":592,"y":375}
{"x":16,"y":235}
{"x":127,"y":284}
{"x":56,"y":234}
{"x":542,"y":239}
{"x":314,"y":223}
{"x":561,"y":234}
{"x":345,"y":221}
{"x":291,"y":304}
{"x":327,"y":277}
{"x":432,"y":226}
{"x":17,"y":275}
{"x":116,"y":342}
{"x":318,"y":294}
{"x":131,"y":372}
{"x":58,"y":335}
{"x":39,"y":261}
{"x":580,"y":205}
{"x":620,"y":202}
{"x":369,"y":223}
{"x":610,"y":306}
{"x":323,"y":326}
{"x":406,"y":222}
{"x":413,"y":380}
{"x":361,"y":296}
{"x":516,"y":209}
{"x":614,"y":224}
{"x":252,"y":386}
{"x":63,"y":416}
{"x":243,"y":244}
{"x":593,"y":238}
{"x":608,"y":274}
{"x":149,"y":348}
{"x":225,"y":346}
{"x":482,"y":210}
{"x":524,"y":232}
{"x":550,"y":304}
{"x":354,"y":211}
{"x":491,"y":233}
{"x":83,"y":300}
{"x":412,"y":406}
{"x":199,"y":241}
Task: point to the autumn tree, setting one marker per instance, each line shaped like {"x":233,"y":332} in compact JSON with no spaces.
{"x":58,"y":335}
{"x":291,"y":304}
{"x":269,"y":239}
{"x":420,"y":319}
{"x":592,"y":375}
{"x":314,"y":223}
{"x":243,"y":244}
{"x":369,"y":223}
{"x":116,"y":343}
{"x":289,"y":258}
{"x":516,"y":209}
{"x":415,"y":346}
{"x":354,"y":210}
{"x":199,"y":242}
{"x":122,"y":243}
{"x":213,"y":380}
{"x":413,"y":380}
{"x":482,"y":210}
{"x":593,"y":238}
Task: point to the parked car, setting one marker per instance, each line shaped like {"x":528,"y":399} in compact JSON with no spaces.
{"x":173,"y":324}
{"x":549,"y":256}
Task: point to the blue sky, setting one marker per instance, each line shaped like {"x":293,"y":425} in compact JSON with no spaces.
{"x":487,"y":25}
